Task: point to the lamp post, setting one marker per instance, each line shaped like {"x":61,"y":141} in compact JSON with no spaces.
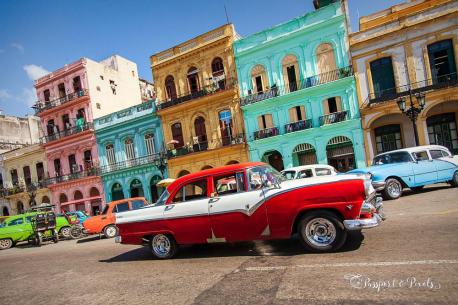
{"x":161,"y":162}
{"x":412,"y":112}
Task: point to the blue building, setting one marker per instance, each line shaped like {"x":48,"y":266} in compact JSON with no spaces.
{"x":130,"y":143}
{"x":298,"y":93}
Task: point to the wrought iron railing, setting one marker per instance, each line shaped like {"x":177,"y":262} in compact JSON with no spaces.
{"x":41,"y":106}
{"x":334,"y":117}
{"x":94,"y":171}
{"x":440,"y":82}
{"x":299,"y":125}
{"x":21,"y":187}
{"x":67,"y":132}
{"x":311,"y":81}
{"x":155,"y":158}
{"x":222,"y":85}
{"x":266,"y":133}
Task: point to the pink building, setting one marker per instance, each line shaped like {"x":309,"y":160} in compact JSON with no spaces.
{"x":69,"y":99}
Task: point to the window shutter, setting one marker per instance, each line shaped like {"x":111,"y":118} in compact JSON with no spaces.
{"x":339,"y":103}
{"x":325,"y":107}
{"x":303,"y":112}
{"x":260,"y":125}
{"x":292,"y":115}
{"x":269,"y":122}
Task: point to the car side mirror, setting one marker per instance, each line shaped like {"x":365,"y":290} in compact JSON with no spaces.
{"x":214,"y":195}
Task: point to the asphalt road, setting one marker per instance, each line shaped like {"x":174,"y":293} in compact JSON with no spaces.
{"x":412,"y":258}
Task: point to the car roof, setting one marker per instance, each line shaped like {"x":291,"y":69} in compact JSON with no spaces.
{"x":214,"y":171}
{"x":414,"y":149}
{"x":302,"y":167}
{"x":124,"y":200}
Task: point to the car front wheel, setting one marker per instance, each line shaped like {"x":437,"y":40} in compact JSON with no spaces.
{"x":110,"y":231}
{"x":65,"y":232}
{"x":393,"y":189}
{"x":5,"y":243}
{"x":163,"y":246}
{"x":322,"y":231}
{"x":454,"y":181}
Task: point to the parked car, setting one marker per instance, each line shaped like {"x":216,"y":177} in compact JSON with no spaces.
{"x":19,"y":228}
{"x":411,"y":168}
{"x":308,"y":171}
{"x":80,"y":215}
{"x":105,"y":222}
{"x":259,"y":204}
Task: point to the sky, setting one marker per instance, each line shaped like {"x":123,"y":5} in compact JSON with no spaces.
{"x":41,"y":36}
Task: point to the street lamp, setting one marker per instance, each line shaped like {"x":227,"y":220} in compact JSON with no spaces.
{"x":161,"y":162}
{"x":412,"y":112}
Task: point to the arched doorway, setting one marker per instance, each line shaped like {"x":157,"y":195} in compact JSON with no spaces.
{"x":5,"y":211}
{"x":442,"y":129}
{"x":62,"y":199}
{"x":117,"y":192}
{"x":274,"y":158}
{"x":304,"y":154}
{"x":45,"y":200}
{"x":79,"y":205}
{"x":20,"y":207}
{"x":96,"y":204}
{"x":326,"y":62}
{"x":193,"y":80}
{"x":136,"y":189}
{"x":182,"y":173}
{"x":206,"y":167}
{"x":170,"y":88}
{"x":341,"y":154}
{"x":156,"y":191}
{"x":232,"y":162}
{"x":200,"y":141}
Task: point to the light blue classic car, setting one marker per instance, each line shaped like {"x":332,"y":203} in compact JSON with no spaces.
{"x":411,"y":168}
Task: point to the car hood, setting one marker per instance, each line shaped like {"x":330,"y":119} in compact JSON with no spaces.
{"x":375,"y":168}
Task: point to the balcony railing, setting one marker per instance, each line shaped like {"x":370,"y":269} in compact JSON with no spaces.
{"x":19,"y":188}
{"x":334,"y":117}
{"x":222,"y":85}
{"x":67,"y":132}
{"x":437,"y":83}
{"x":299,"y":125}
{"x":196,"y":145}
{"x":266,"y":133}
{"x":41,"y":106}
{"x":155,"y":158}
{"x":311,"y":81}
{"x":73,"y":176}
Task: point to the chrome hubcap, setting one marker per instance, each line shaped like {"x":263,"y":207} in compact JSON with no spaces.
{"x":394,"y":189}
{"x":65,"y":232}
{"x":161,"y":245}
{"x":320,"y":232}
{"x":111,"y":231}
{"x":5,"y":243}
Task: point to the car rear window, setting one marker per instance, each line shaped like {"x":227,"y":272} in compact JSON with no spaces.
{"x":306,"y":173}
{"x":137,"y":204}
{"x":121,"y":207}
{"x":322,"y":171}
{"x":288,"y":175}
{"x":420,"y":155}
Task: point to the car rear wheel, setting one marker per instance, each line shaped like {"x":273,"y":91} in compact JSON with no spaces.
{"x":5,"y":243}
{"x":163,"y":246}
{"x":454,"y":181}
{"x":65,"y":232}
{"x":110,"y":231}
{"x":322,"y":231}
{"x":393,"y":189}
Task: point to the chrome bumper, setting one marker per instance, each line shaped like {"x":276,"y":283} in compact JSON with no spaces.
{"x":378,"y":185}
{"x":118,"y":239}
{"x":367,"y":223}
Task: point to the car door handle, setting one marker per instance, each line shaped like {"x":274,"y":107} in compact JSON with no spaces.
{"x":168,"y":208}
{"x":247,"y":207}
{"x":104,"y":217}
{"x":214,"y":199}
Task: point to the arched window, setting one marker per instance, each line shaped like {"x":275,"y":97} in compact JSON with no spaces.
{"x":63,"y":198}
{"x":111,"y":158}
{"x":129,"y":147}
{"x":290,"y":69}
{"x":193,"y":80}
{"x":259,"y":79}
{"x":117,"y":192}
{"x":20,"y":207}
{"x":326,"y":62}
{"x":219,"y":78}
{"x":200,"y":141}
{"x":149,"y":144}
{"x":170,"y":88}
{"x":182,"y":173}
{"x":226,"y":126}
{"x":136,"y":189}
{"x":45,"y":200}
{"x":340,"y":153}
{"x":177,"y":135}
{"x":77,"y":195}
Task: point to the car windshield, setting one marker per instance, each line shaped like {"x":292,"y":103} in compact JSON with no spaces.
{"x":105,"y":210}
{"x":396,"y":157}
{"x":263,"y":175}
{"x":288,"y":175}
{"x":163,"y":198}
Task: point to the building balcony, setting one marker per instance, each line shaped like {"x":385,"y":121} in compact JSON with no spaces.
{"x":309,"y":82}
{"x":266,"y":133}
{"x":299,"y":125}
{"x":67,"y":132}
{"x":158,"y":160}
{"x":210,"y":89}
{"x":20,"y":188}
{"x":199,"y":145}
{"x":92,"y":172}
{"x":388,"y":95}
{"x":333,"y":118}
{"x":41,"y":106}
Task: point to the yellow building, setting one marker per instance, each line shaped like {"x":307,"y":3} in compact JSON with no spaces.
{"x":24,"y":171}
{"x":408,"y":53}
{"x":197,"y":94}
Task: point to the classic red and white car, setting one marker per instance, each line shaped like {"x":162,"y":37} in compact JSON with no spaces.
{"x":250,"y":201}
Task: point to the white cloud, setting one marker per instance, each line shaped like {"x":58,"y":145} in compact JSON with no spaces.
{"x":28,"y":96}
{"x":35,"y":72}
{"x":4,"y":94}
{"x":18,"y":46}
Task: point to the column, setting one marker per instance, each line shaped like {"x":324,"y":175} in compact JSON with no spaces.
{"x":320,"y":147}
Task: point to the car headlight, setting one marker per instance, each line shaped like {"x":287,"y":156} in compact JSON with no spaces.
{"x":368,"y":189}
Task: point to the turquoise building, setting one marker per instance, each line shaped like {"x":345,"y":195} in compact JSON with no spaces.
{"x":298,"y":92}
{"x":130,"y":145}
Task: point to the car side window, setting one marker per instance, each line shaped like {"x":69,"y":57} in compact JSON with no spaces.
{"x":306,"y":173}
{"x":137,"y":204}
{"x":191,"y":191}
{"x":16,"y":222}
{"x":436,"y":154}
{"x":322,"y":171}
{"x":421,"y":155}
{"x":29,"y":219}
{"x":121,"y":207}
{"x":288,"y":175}
{"x":229,"y":184}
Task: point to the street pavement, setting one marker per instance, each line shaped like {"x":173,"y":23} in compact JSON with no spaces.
{"x":412,"y":258}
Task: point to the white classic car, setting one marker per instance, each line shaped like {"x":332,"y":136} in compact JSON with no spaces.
{"x":308,"y":171}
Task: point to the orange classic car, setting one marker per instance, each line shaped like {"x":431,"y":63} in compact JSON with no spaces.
{"x":105,"y":223}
